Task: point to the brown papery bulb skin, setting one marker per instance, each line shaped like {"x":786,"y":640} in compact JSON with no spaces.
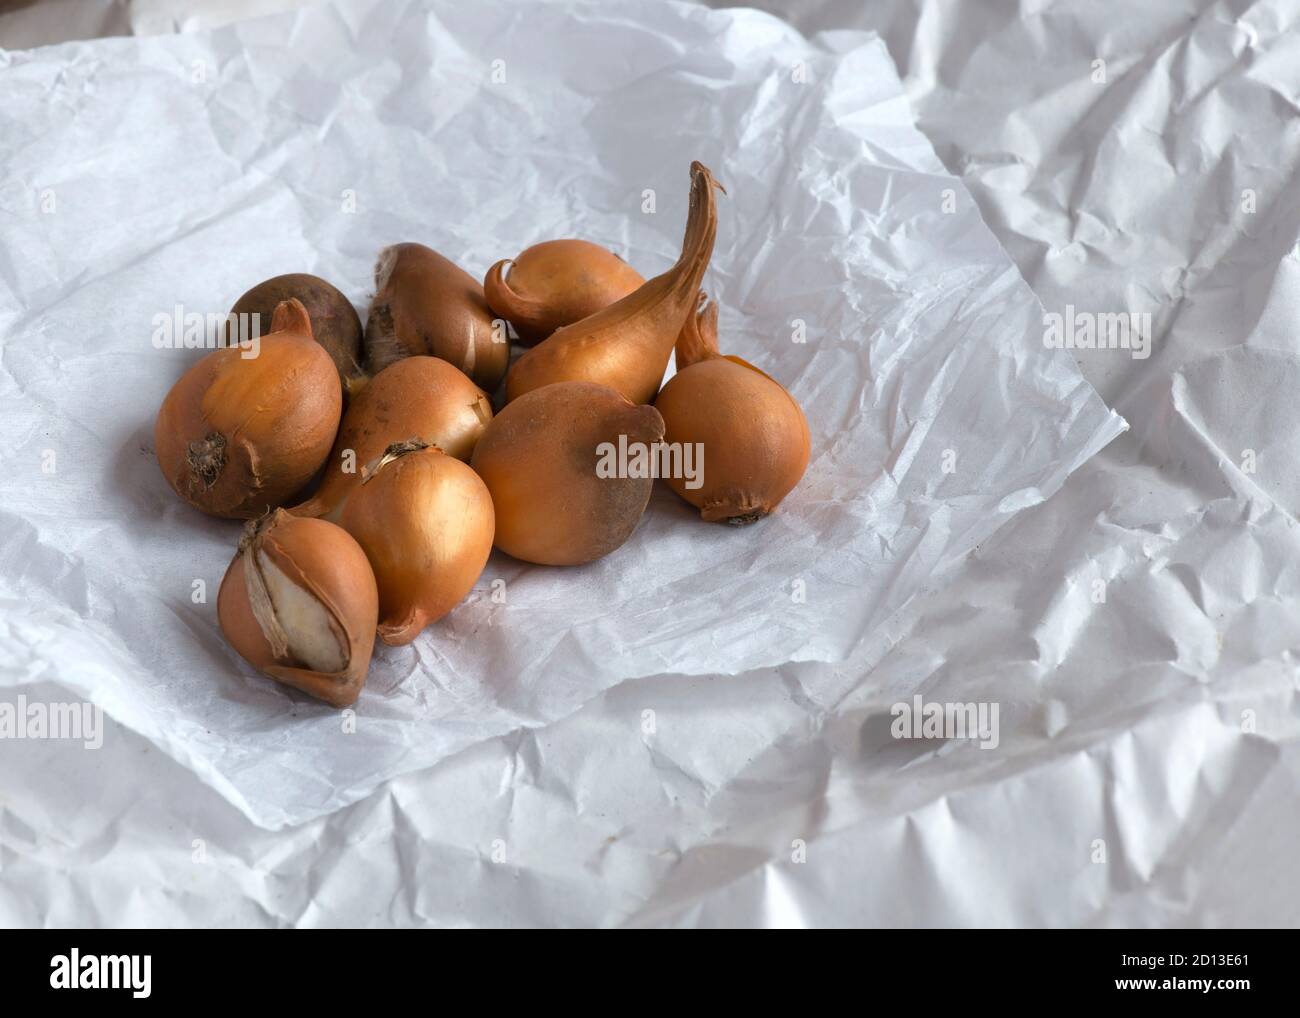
{"x":426,"y":523}
{"x":754,"y":435}
{"x":426,"y":304}
{"x":236,"y":436}
{"x":335,"y":324}
{"x":557,"y":283}
{"x":539,"y":457}
{"x":627,"y":345}
{"x":418,"y":397}
{"x":299,"y":604}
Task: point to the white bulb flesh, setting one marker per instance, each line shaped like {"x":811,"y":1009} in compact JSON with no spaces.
{"x":311,"y":633}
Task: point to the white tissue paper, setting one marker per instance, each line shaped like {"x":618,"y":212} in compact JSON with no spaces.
{"x":142,"y":174}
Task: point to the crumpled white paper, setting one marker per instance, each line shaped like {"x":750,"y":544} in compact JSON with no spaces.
{"x":143,"y":173}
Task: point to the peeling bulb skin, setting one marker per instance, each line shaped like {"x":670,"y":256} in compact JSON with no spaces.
{"x":417,"y":397}
{"x":299,"y":603}
{"x":753,"y":434}
{"x":539,"y":458}
{"x":425,"y":304}
{"x":557,"y":283}
{"x":626,"y":346}
{"x":239,"y":435}
{"x":425,"y":521}
{"x":335,"y":324}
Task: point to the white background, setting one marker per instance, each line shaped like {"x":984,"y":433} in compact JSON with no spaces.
{"x":1128,"y":720}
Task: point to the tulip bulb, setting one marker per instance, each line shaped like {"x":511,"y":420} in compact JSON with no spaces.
{"x":539,"y":457}
{"x":557,"y":283}
{"x":626,"y":346}
{"x":299,"y":603}
{"x":335,"y":324}
{"x":426,"y":304}
{"x":425,"y":521}
{"x":418,"y":397}
{"x":753,"y":434}
{"x":238,"y":435}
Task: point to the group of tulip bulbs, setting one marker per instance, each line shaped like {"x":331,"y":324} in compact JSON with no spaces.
{"x":418,"y":477}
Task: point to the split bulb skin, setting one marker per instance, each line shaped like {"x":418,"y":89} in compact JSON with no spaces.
{"x":753,"y":433}
{"x":239,"y":435}
{"x":539,"y":459}
{"x":426,"y":304}
{"x":319,"y":604}
{"x":626,"y":345}
{"x":556,"y":283}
